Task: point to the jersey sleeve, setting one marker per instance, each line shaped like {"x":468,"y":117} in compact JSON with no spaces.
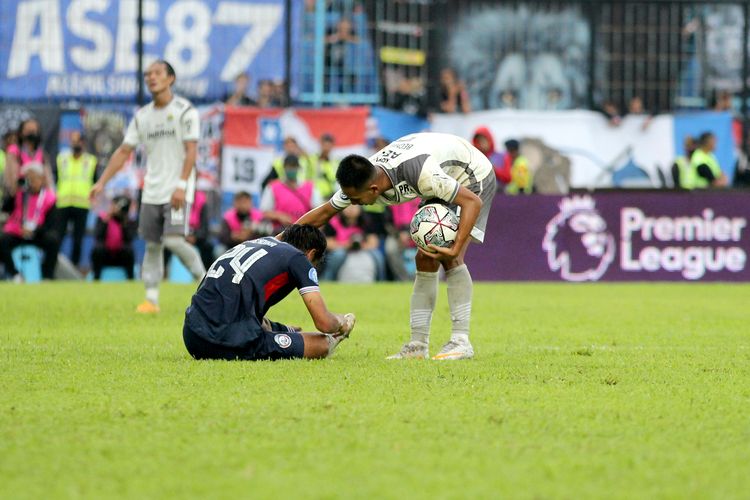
{"x":132,"y":137}
{"x":303,"y":274}
{"x":339,"y":200}
{"x":190,"y":123}
{"x":435,"y":183}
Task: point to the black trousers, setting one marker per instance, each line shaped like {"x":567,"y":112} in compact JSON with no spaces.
{"x":47,"y":242}
{"x":101,"y":258}
{"x":78,"y":217}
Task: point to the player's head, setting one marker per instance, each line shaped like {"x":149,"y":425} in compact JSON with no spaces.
{"x":159,"y":76}
{"x":308,"y":239}
{"x":357,"y":178}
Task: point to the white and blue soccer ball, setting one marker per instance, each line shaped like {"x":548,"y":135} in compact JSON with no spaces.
{"x":434,"y":224}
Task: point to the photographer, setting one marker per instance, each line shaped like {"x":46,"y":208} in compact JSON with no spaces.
{"x":31,"y":222}
{"x":353,"y":248}
{"x":113,"y":234}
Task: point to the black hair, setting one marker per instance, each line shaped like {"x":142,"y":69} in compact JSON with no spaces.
{"x":242,"y":194}
{"x":168,"y":67}
{"x":704,"y":138}
{"x":305,"y":237}
{"x":24,"y":122}
{"x":354,"y":172}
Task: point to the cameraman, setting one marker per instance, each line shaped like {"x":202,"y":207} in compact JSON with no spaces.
{"x":113,"y":234}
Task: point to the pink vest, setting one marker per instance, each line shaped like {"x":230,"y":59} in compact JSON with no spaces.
{"x":403,"y":213}
{"x":113,"y":238}
{"x":295,"y":202}
{"x":37,"y":208}
{"x":195,"y":211}
{"x":344,"y":233}
{"x":24,"y":157}
{"x":234,"y":222}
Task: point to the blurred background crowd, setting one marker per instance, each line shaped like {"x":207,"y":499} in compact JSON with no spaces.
{"x":500,"y":73}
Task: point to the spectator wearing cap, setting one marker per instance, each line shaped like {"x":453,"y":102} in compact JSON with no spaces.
{"x":285,"y":201}
{"x":290,"y":147}
{"x":521,"y":178}
{"x":321,"y":168}
{"x":31,"y":222}
{"x":113,"y":235}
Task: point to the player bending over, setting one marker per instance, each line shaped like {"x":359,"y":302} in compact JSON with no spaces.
{"x":226,"y":318}
{"x":433,"y":167}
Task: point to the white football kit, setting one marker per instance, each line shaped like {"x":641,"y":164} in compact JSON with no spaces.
{"x":430,"y":166}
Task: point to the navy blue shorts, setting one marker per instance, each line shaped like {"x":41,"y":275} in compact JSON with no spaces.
{"x":268,"y":345}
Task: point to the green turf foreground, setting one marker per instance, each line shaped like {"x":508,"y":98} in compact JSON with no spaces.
{"x":593,"y":391}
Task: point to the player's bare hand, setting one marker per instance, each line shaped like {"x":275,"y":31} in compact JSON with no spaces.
{"x":178,"y":198}
{"x":96,"y":190}
{"x":440,"y":253}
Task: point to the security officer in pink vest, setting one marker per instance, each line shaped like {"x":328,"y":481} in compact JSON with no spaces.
{"x":242,"y":222}
{"x":284,"y":201}
{"x":31,"y":222}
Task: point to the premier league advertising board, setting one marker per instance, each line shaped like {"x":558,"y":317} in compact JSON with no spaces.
{"x":617,"y":236}
{"x":87,"y":48}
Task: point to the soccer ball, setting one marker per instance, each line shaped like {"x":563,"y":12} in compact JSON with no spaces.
{"x":434,"y":224}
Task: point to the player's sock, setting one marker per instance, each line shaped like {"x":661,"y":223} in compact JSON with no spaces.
{"x":153,"y":270}
{"x":423,"y":299}
{"x":187,"y":253}
{"x":460,"y":288}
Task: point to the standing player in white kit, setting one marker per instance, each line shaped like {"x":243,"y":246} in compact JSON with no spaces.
{"x":439,"y":168}
{"x":169,"y":128}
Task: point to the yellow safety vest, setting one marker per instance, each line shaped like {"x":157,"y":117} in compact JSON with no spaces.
{"x":699,"y":158}
{"x":75,"y":176}
{"x":686,"y":180}
{"x":278,"y":166}
{"x":521,"y":178}
{"x":322,"y":173}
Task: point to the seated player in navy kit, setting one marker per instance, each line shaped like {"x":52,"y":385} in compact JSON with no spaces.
{"x":226,"y":318}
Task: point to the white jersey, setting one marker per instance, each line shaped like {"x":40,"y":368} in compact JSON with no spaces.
{"x":428,"y":165}
{"x":164,"y":131}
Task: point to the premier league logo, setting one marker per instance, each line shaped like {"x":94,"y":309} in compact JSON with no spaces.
{"x":577,"y":241}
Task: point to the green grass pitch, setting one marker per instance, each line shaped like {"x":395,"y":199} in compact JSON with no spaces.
{"x":577,"y":391}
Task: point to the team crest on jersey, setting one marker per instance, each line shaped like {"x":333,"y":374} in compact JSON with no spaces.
{"x":283,"y":340}
{"x":170,"y":117}
{"x":313,"y":275}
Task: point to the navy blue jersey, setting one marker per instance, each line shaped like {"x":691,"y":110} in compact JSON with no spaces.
{"x":241,"y":285}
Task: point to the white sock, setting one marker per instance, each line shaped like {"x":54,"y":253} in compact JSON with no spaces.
{"x":423,"y":298}
{"x":152,"y":270}
{"x":187,"y":253}
{"x":460,"y":288}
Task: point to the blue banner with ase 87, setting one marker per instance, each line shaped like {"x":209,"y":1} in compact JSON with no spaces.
{"x":58,"y":49}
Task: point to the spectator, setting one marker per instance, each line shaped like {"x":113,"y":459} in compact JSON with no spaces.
{"x":722,"y":101}
{"x":242,"y":222}
{"x":239,"y":96}
{"x":521,"y":178}
{"x":76,"y":172}
{"x":398,"y":242}
{"x":279,"y":93}
{"x":349,"y":237}
{"x":3,"y":147}
{"x":28,"y":150}
{"x":453,"y":95}
{"x":705,"y":169}
{"x":321,"y":168}
{"x":113,"y":239}
{"x":198,"y":229}
{"x":340,"y":77}
{"x":31,"y":221}
{"x":681,"y":171}
{"x":409,"y":96}
{"x":266,"y":94}
{"x":290,"y":147}
{"x":635,"y":107}
{"x":485,"y":143}
{"x":283,"y":202}
{"x":611,"y":112}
